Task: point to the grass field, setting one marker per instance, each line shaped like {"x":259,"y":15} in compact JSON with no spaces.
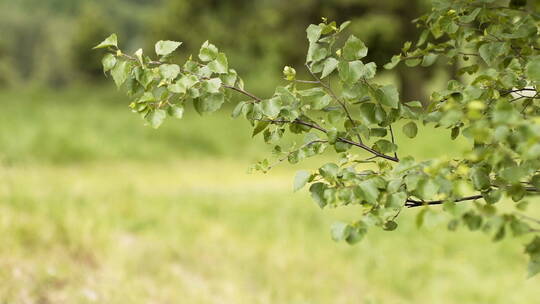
{"x":95,"y":208}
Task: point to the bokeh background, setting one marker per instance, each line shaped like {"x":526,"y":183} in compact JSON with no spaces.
{"x":97,"y":208}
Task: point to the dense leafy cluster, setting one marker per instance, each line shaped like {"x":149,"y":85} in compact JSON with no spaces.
{"x":493,"y":101}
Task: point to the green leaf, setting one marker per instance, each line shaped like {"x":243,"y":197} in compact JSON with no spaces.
{"x":470,"y":17}
{"x":261,"y":125}
{"x":480,"y":178}
{"x":533,"y":70}
{"x":144,"y":76}
{"x":108,"y":62}
{"x":165,"y":47}
{"x":219,"y":65}
{"x":146,"y":97}
{"x":340,"y":231}
{"x":429,"y":59}
{"x":301,"y":179}
{"x":354,"y":49}
{"x":410,"y":129}
{"x":238,"y":109}
{"x":344,"y":25}
{"x":360,"y":70}
{"x":120,"y":72}
{"x":314,"y":33}
{"x":369,"y":191}
{"x":211,"y":102}
{"x":212,"y":85}
{"x":513,"y":174}
{"x":317,"y":193}
{"x":473,"y":221}
{"x":208,"y":52}
{"x":112,"y":40}
{"x":187,"y":82}
{"x":156,"y":118}
{"x":330,"y":65}
{"x":169,"y":71}
{"x":367,"y":113}
{"x":493,"y":196}
{"x":389,"y":96}
{"x":427,"y":188}
{"x":316,"y":52}
{"x":533,"y":268}
{"x":271,"y":107}
{"x":393,"y":63}
{"x":384,"y":146}
{"x":533,"y":250}
{"x":329,"y":171}
{"x":390,"y":226}
{"x":176,"y":111}
{"x":316,"y":97}
{"x":535,"y":181}
{"x":491,"y":51}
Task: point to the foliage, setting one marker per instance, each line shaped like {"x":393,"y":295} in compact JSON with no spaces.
{"x":493,"y":102}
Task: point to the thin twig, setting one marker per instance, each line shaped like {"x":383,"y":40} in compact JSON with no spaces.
{"x":248,"y":94}
{"x":410,"y":203}
{"x":334,"y":96}
{"x":393,"y":140}
{"x":341,"y":139}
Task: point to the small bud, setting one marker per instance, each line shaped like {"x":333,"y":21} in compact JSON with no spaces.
{"x":289,"y":73}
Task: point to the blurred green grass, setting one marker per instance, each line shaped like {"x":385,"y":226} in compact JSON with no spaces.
{"x":95,"y":208}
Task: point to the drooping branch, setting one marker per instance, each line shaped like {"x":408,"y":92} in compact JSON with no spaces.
{"x":411,"y":203}
{"x":340,"y":139}
{"x":317,"y":127}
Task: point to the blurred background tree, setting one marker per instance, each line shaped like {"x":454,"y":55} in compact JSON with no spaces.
{"x":36,"y":33}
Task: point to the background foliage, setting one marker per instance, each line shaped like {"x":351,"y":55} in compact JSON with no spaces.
{"x":56,"y":34}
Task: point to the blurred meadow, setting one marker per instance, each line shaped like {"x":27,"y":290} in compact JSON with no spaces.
{"x":97,"y":208}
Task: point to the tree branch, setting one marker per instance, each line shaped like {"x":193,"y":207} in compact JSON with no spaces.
{"x":410,"y":203}
{"x":334,"y":96}
{"x":237,"y":89}
{"x":341,"y":139}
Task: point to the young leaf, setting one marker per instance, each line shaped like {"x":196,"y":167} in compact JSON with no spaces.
{"x":112,"y":40}
{"x":261,"y":125}
{"x":301,"y":179}
{"x":410,"y":129}
{"x":313,"y":33}
{"x":533,"y":70}
{"x":176,"y":111}
{"x":156,"y":118}
{"x":354,"y":49}
{"x":211,"y":102}
{"x":165,"y":47}
{"x":271,"y":107}
{"x":219,"y":65}
{"x":389,"y":96}
{"x":340,"y":231}
{"x":208,"y":52}
{"x":120,"y":72}
{"x":212,"y":85}
{"x":317,"y":193}
{"x":108,"y":62}
{"x":330,"y":65}
{"x":169,"y":71}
